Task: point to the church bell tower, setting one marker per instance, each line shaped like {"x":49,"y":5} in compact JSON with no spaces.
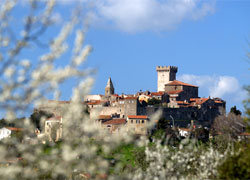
{"x":109,"y":89}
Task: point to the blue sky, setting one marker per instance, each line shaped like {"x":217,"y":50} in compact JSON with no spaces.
{"x":207,"y":40}
{"x":210,"y":51}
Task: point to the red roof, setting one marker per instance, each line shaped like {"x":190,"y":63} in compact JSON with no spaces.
{"x":95,"y":102}
{"x":160,"y":93}
{"x":104,"y":117}
{"x":175,"y":92}
{"x":14,"y":128}
{"x":115,"y":121}
{"x":185,"y":129}
{"x":201,"y":100}
{"x":55,"y":118}
{"x":218,"y":101}
{"x":198,"y":101}
{"x":244,"y":134}
{"x":182,"y":102}
{"x":194,"y":99}
{"x":179,"y":83}
{"x":137,"y":117}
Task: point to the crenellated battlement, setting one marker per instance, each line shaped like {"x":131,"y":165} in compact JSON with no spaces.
{"x":167,"y":68}
{"x":166,"y":74}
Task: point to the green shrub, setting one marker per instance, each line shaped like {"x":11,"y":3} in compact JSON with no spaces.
{"x":236,"y":166}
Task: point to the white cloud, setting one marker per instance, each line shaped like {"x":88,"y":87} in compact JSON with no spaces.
{"x":226,"y":87}
{"x":154,"y":15}
{"x":146,"y":15}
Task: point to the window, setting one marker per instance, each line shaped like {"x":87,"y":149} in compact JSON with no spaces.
{"x":132,"y":121}
{"x":142,"y":121}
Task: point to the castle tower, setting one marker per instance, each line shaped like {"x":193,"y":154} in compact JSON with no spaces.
{"x":165,"y":75}
{"x":109,"y":89}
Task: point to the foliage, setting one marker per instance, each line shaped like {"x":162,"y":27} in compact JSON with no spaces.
{"x":247,"y":108}
{"x":186,"y":161}
{"x":235,"y":111}
{"x":163,"y":123}
{"x":28,"y":81}
{"x":37,"y":116}
{"x":154,"y":101}
{"x":84,"y":148}
{"x":236,"y":166}
{"x":230,"y":126}
{"x":4,"y":122}
{"x":200,"y":134}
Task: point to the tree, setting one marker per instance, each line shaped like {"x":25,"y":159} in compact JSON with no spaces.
{"x":29,"y":74}
{"x":229,"y":126}
{"x":247,"y":109}
{"x":154,"y":101}
{"x":235,"y":111}
{"x":37,"y":116}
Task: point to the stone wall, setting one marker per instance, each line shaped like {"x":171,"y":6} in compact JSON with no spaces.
{"x":182,"y":116}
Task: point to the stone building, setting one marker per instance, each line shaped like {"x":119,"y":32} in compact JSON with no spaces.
{"x":53,"y":128}
{"x":133,"y":123}
{"x":114,"y":125}
{"x":109,"y":89}
{"x":137,"y":124}
{"x":165,"y":74}
{"x":179,"y":102}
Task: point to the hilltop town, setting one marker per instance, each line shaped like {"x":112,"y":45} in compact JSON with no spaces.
{"x":179,"y":102}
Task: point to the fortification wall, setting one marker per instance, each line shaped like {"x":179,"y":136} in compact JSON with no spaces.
{"x":182,"y":116}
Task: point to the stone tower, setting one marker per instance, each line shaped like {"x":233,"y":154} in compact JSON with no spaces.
{"x":165,"y":74}
{"x":109,"y":89}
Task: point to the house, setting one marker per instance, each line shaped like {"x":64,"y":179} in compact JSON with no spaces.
{"x":137,"y":124}
{"x":4,"y":133}
{"x":184,"y":132}
{"x":114,"y":125}
{"x":53,"y":128}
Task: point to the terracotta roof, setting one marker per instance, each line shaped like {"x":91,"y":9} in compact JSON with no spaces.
{"x":160,"y":93}
{"x":182,"y":102}
{"x":104,"y":117}
{"x":116,"y":95}
{"x":55,"y":118}
{"x":194,"y":99}
{"x":201,"y":100}
{"x":137,"y":117}
{"x":14,"y":128}
{"x":175,"y":92}
{"x":130,"y":98}
{"x":244,"y":134}
{"x":95,"y":102}
{"x":115,"y":121}
{"x":179,"y":83}
{"x":218,"y":101}
{"x":185,"y":129}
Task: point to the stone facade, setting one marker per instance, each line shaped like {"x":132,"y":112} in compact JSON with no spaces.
{"x":165,"y":75}
{"x":53,"y":128}
{"x":178,"y":101}
{"x":109,"y":89}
